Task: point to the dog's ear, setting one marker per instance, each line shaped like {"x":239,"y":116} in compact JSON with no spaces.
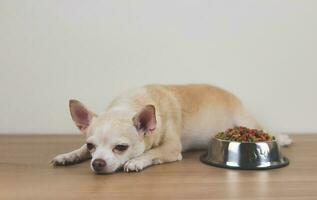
{"x":145,"y":120}
{"x":80,"y":115}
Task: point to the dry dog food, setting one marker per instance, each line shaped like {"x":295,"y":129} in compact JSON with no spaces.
{"x":243,"y":134}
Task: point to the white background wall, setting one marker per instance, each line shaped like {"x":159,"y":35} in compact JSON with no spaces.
{"x":263,"y":51}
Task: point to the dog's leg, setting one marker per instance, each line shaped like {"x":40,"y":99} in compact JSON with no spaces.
{"x":169,"y":151}
{"x":72,"y":157}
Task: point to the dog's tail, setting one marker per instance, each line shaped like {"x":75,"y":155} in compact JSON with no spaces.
{"x":244,"y":118}
{"x":283,"y":140}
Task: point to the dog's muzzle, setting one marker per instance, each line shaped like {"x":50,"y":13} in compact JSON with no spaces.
{"x":98,"y":165}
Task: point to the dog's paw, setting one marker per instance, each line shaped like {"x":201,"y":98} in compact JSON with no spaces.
{"x":284,"y":140}
{"x":65,"y":159}
{"x":135,"y":165}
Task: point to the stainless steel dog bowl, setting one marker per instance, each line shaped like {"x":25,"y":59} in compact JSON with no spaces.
{"x":244,"y":155}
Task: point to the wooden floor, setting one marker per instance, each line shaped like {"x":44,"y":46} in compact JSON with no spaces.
{"x":26,"y":174}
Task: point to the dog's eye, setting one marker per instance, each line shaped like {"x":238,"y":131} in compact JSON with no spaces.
{"x":121,"y":147}
{"x":90,"y":146}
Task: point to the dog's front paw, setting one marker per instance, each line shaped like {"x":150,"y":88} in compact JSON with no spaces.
{"x":135,"y":165}
{"x":64,"y":159}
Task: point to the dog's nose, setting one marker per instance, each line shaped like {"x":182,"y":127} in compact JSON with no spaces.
{"x":98,"y":164}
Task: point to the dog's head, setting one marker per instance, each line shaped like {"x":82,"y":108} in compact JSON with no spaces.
{"x":113,"y":137}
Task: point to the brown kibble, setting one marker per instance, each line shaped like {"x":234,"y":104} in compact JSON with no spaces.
{"x":243,"y":134}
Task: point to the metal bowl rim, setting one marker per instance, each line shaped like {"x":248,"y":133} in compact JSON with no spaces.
{"x":243,"y":142}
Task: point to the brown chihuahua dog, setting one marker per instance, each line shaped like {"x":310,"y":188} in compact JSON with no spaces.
{"x":153,"y":125}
